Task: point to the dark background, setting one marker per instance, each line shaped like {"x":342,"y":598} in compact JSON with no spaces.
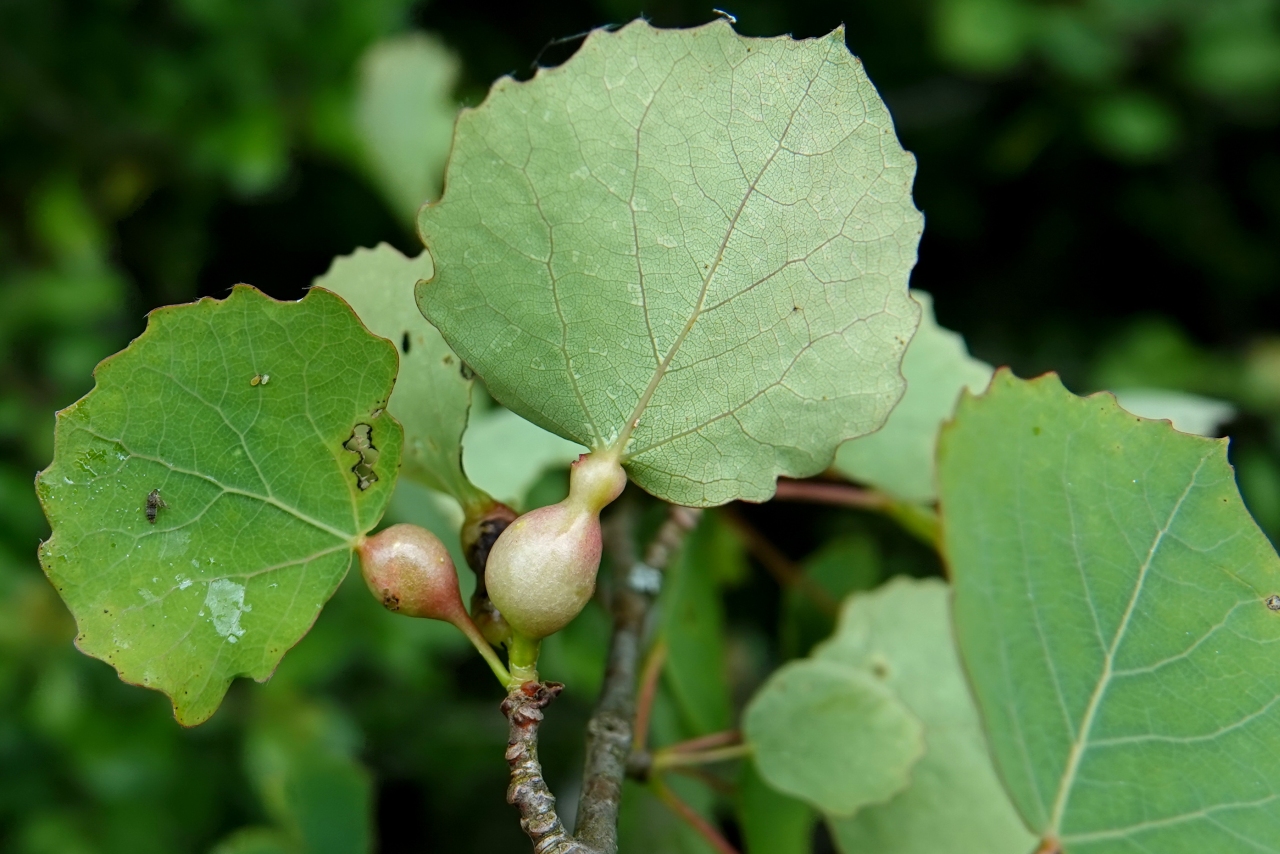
{"x":1101,"y":186}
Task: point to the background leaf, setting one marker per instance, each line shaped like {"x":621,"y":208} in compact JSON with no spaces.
{"x":771,"y":822}
{"x":635,"y":195}
{"x":433,"y":389}
{"x":505,"y":454}
{"x":899,"y":457}
{"x":832,"y":735}
{"x":693,"y":624}
{"x":404,"y":117}
{"x":1111,"y":609}
{"x":1190,"y":413}
{"x":842,"y":565}
{"x":301,"y":757}
{"x":902,"y":631}
{"x":256,"y":840}
{"x":237,"y":412}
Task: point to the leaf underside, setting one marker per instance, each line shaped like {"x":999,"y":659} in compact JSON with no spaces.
{"x":1110,"y":606}
{"x":685,"y":244}
{"x":231,"y":425}
{"x":899,"y":457}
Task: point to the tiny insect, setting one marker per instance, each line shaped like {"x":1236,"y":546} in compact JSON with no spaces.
{"x":260,"y":379}
{"x":154,"y":504}
{"x":1273,"y":602}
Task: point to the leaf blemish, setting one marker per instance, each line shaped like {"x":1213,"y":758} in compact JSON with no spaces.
{"x":225,"y":601}
{"x":1273,"y":602}
{"x":361,"y":442}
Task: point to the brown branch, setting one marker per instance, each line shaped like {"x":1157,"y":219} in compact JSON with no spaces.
{"x":693,"y":818}
{"x":706,"y":778}
{"x":703,"y":742}
{"x":821,"y":492}
{"x":784,"y":570}
{"x":648,"y":693}
{"x":609,"y":732}
{"x":916,"y":519}
{"x":528,"y":792}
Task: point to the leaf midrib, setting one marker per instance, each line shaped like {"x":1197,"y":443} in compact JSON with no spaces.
{"x":344,"y":536}
{"x":1081,"y":743}
{"x":619,"y":446}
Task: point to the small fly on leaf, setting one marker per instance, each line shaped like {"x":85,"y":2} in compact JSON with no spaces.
{"x":154,"y":503}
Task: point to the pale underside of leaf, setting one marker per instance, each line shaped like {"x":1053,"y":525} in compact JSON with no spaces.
{"x":202,"y":501}
{"x":1111,"y":609}
{"x":686,"y":246}
{"x":899,"y":457}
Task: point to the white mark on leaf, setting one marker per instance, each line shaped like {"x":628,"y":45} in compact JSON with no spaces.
{"x":225,"y":601}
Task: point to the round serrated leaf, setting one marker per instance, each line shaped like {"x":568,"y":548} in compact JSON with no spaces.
{"x":206,"y":495}
{"x":686,"y":246}
{"x":832,"y":735}
{"x":1113,"y":610}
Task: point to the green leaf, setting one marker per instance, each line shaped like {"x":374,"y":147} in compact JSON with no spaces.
{"x":685,"y":246}
{"x":433,"y":391}
{"x":902,"y":633}
{"x":832,"y":735}
{"x":771,"y":822}
{"x":843,"y":565}
{"x":256,"y":840}
{"x":505,"y":454}
{"x":237,"y":415}
{"x":1111,"y":609}
{"x":404,"y":117}
{"x":300,"y":756}
{"x":899,"y":457}
{"x":693,"y":628}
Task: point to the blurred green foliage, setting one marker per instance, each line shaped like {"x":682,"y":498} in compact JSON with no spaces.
{"x":1101,"y":182}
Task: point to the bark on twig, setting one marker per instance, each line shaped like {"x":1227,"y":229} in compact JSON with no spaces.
{"x":822,"y":492}
{"x":528,"y":792}
{"x":609,"y":732}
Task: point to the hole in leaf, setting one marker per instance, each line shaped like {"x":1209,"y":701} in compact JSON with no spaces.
{"x":361,"y":443}
{"x":404,"y":343}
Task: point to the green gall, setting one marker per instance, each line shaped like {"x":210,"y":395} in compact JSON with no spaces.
{"x":542,"y":570}
{"x":410,"y":572}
